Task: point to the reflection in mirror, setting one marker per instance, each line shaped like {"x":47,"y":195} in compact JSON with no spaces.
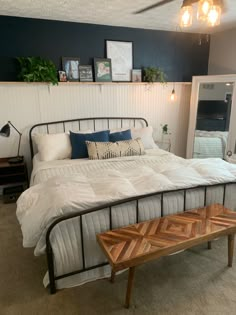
{"x":213,"y":119}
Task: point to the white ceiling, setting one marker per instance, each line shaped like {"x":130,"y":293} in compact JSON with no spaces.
{"x":114,"y":12}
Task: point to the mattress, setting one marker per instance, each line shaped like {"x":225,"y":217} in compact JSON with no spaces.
{"x":61,"y":187}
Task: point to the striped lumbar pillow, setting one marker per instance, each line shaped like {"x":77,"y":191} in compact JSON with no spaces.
{"x":108,"y":150}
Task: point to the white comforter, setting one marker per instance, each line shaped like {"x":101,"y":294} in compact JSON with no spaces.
{"x":73,"y":185}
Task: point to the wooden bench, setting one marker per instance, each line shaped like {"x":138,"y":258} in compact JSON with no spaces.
{"x":139,"y":243}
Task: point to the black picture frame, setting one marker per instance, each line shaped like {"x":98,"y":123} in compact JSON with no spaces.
{"x":86,"y":73}
{"x":118,"y":51}
{"x":71,"y":67}
{"x":102,"y":69}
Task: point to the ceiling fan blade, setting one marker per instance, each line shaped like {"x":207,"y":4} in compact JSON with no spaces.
{"x":153,"y":6}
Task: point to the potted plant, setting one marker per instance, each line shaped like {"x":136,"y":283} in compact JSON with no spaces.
{"x":152,"y":74}
{"x":164,"y":129}
{"x":37,"y":69}
{"x":165,"y":132}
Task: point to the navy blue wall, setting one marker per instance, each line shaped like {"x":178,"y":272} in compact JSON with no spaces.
{"x":53,"y":39}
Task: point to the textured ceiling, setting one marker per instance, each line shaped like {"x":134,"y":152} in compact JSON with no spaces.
{"x":113,"y":12}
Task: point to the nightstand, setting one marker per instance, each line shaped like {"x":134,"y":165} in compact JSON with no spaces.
{"x":164,"y":144}
{"x":13,"y":179}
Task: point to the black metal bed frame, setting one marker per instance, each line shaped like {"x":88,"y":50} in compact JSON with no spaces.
{"x":49,"y":251}
{"x":79,"y":120}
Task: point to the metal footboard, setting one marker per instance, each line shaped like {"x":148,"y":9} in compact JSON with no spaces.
{"x":136,"y":199}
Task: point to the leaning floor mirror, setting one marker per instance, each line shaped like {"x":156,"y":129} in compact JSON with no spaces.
{"x":212,"y":133}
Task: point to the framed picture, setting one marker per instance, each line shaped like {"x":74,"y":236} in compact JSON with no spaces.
{"x":136,"y":75}
{"x":62,"y":76}
{"x":71,"y":67}
{"x":86,"y":73}
{"x":121,"y":55}
{"x":102,"y":69}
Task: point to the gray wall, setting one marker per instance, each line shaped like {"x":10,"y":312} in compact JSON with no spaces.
{"x":222,"y":59}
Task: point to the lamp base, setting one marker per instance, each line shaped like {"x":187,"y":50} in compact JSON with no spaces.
{"x":15,"y":160}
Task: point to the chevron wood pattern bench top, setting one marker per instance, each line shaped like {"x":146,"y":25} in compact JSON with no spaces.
{"x":142,"y":242}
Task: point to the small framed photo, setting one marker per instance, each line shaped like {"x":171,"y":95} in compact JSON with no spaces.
{"x":71,"y":67}
{"x":86,"y":73}
{"x":62,"y":76}
{"x":136,"y":75}
{"x":102,"y":69}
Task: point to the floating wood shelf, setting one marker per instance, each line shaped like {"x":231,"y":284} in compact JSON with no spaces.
{"x":92,"y":83}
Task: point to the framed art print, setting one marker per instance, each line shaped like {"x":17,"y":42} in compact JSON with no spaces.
{"x":71,"y":67}
{"x":102,"y":69}
{"x":86,"y":73}
{"x":121,"y":55}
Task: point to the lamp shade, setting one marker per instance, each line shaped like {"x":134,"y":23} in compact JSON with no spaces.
{"x":5,"y":131}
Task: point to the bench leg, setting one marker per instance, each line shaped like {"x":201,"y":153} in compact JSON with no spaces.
{"x":113,"y":274}
{"x":129,"y":286}
{"x":209,"y":245}
{"x":230,"y":249}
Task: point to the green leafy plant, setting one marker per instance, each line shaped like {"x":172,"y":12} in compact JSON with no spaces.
{"x":165,"y":129}
{"x":152,"y":74}
{"x":37,"y":69}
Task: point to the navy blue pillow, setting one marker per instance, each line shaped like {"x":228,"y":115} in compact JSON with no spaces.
{"x":120,"y":136}
{"x":79,"y":148}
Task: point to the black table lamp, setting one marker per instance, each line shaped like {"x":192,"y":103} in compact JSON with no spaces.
{"x":5,"y":132}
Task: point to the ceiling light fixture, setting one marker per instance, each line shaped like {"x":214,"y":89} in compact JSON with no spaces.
{"x":214,"y":15}
{"x":208,"y":11}
{"x":203,"y":9}
{"x":186,"y":16}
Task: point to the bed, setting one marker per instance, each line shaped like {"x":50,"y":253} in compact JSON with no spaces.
{"x":70,"y":201}
{"x":209,"y":144}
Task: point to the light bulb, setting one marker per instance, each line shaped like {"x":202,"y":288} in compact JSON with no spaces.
{"x":214,"y":15}
{"x":203,"y":9}
{"x":172,"y":97}
{"x":186,"y":16}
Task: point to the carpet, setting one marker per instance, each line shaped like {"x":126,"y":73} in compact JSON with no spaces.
{"x":196,"y":281}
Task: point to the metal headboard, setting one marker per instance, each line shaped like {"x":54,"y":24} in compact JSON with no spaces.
{"x":79,"y":120}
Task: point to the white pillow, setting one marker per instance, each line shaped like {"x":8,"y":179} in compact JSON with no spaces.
{"x":146,"y":136}
{"x":53,"y":146}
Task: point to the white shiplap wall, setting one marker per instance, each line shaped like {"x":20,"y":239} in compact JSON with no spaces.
{"x":27,"y":104}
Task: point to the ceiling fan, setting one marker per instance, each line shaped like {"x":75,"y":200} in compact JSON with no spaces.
{"x":208,"y":10}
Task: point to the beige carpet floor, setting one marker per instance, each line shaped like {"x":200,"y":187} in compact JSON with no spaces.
{"x":196,"y":281}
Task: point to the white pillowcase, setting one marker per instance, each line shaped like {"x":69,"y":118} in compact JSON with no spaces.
{"x":146,"y":136}
{"x":53,"y":146}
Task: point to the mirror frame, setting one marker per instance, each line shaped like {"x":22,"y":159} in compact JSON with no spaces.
{"x":197,"y":80}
